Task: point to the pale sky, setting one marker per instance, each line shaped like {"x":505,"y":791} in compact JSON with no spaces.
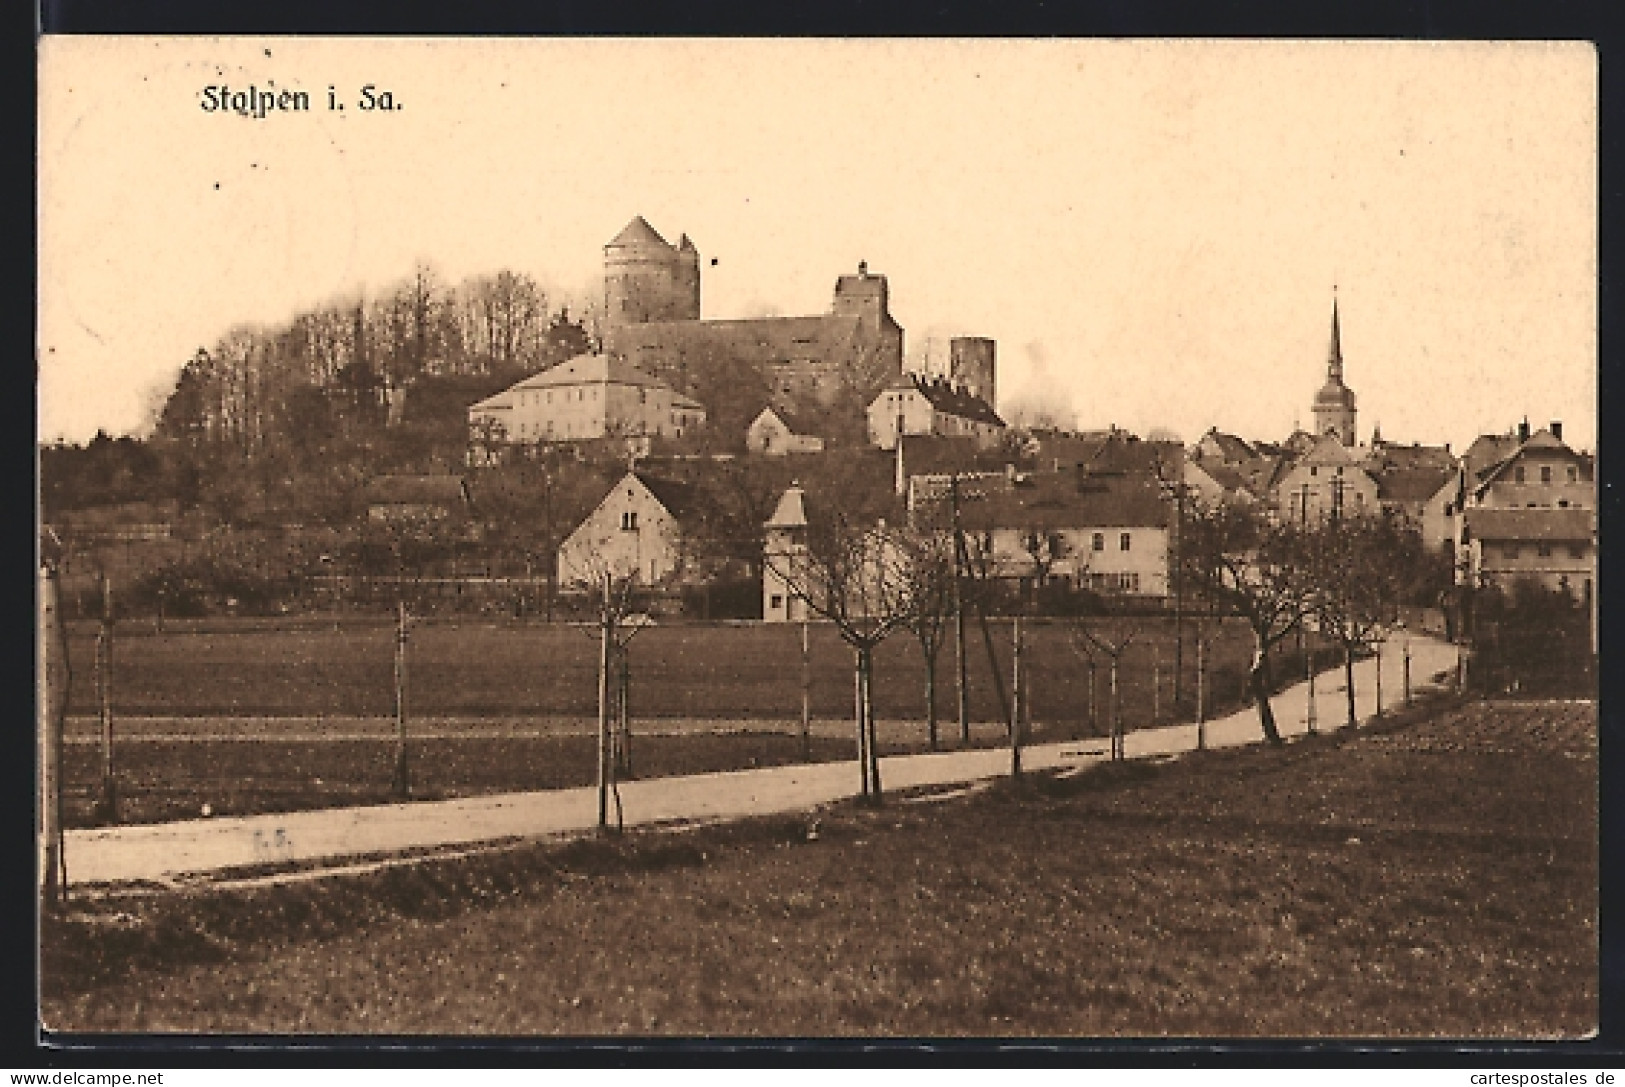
{"x":1150,"y":230}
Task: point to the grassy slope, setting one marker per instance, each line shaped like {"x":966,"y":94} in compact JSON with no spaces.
{"x":1434,"y":878}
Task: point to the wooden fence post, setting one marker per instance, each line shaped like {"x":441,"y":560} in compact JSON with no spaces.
{"x":51,"y":645}
{"x":1201,"y":691}
{"x":1379,"y":679}
{"x":806,"y":693}
{"x":1156,"y":684}
{"x":1407,"y":671}
{"x":403,"y":781}
{"x":1094,"y":724}
{"x":1116,"y":710}
{"x":104,"y":686}
{"x":604,"y":641}
{"x":1016,"y":694}
{"x":1309,"y":668}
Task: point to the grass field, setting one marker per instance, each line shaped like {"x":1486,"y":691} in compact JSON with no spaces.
{"x":1432,"y":876}
{"x":257,"y":715}
{"x":299,"y":668}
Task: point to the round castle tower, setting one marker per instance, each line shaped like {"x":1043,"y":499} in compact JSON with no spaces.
{"x":646,"y":278}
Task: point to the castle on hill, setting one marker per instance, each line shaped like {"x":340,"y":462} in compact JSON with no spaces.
{"x":833,"y":363}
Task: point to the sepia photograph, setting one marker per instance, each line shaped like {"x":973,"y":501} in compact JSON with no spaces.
{"x":921,"y":538}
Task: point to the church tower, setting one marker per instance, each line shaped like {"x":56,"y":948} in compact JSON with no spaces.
{"x":1334,"y":403}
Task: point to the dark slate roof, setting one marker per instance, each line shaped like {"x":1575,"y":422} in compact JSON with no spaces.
{"x":1487,"y":451}
{"x":679,"y":498}
{"x":1230,"y":446}
{"x":943,"y":397}
{"x":1533,"y":525}
{"x":1410,"y":484}
{"x":431,"y":490}
{"x":1057,"y":500}
{"x":639,"y":232}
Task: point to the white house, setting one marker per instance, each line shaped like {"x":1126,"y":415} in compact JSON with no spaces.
{"x":587,"y":397}
{"x":784,"y":555}
{"x":1107,"y":532}
{"x":919,"y":405}
{"x":1529,"y":515}
{"x":773,"y":433}
{"x":1326,"y":481}
{"x":635,"y":531}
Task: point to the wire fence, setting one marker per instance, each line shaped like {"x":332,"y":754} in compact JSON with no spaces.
{"x":186,"y":718}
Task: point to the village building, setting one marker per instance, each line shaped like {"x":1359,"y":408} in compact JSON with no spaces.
{"x":776,"y":432}
{"x":1529,"y":515}
{"x":1328,"y":481}
{"x":1216,"y":446}
{"x":635,"y":531}
{"x":784,"y":559}
{"x":914,"y":404}
{"x":585,"y":398}
{"x":1105,"y":531}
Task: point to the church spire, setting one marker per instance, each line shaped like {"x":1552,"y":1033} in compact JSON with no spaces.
{"x":1334,"y":356}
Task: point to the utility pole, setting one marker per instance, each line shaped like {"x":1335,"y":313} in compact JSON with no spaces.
{"x":961,"y":560}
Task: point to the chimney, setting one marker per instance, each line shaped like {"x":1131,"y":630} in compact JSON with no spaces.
{"x":1557,"y":429}
{"x":1523,"y":430}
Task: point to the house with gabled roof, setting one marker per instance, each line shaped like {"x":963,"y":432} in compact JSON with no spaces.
{"x":1327,"y":481}
{"x":582,"y":399}
{"x":635,"y":531}
{"x":916,"y":404}
{"x":1105,"y":531}
{"x":778,"y":431}
{"x":1530,"y":514}
{"x":1218,"y":446}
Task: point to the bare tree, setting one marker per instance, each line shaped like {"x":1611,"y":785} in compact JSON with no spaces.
{"x":1358,"y":566}
{"x":1257,"y":568}
{"x":859,"y":577}
{"x":932,"y":569}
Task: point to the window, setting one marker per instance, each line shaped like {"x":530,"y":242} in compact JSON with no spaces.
{"x":1517,"y":474}
{"x":1544,"y":551}
{"x":1574,"y":474}
{"x":1562,"y":503}
{"x":776,"y":602}
{"x":1123,"y":542}
{"x":1510,"y":551}
{"x":1313,"y":470}
{"x":1097,"y":542}
{"x":1577,"y":551}
{"x":629,"y":521}
{"x":1546,"y":473}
